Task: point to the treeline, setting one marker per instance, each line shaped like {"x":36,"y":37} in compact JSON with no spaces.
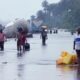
{"x":65,"y":14}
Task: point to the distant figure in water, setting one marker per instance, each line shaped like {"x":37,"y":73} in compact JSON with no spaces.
{"x":2,"y":39}
{"x":50,"y":31}
{"x":21,"y":38}
{"x":44,"y":36}
{"x":76,"y":45}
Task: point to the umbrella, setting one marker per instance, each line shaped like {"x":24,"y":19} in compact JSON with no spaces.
{"x":44,"y":26}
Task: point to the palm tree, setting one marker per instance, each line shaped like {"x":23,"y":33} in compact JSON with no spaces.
{"x":45,"y":5}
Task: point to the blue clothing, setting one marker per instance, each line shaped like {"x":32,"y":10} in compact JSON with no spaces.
{"x":77,"y":42}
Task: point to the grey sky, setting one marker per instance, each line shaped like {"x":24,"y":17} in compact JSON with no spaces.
{"x":11,"y":9}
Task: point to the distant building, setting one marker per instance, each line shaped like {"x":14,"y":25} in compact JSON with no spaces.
{"x":36,"y":25}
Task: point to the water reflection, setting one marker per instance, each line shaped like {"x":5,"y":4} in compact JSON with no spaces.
{"x":44,"y":46}
{"x":20,"y":71}
{"x":1,"y":53}
{"x":78,"y":73}
{"x":20,"y":54}
{"x":65,"y":68}
{"x":71,"y":70}
{"x":40,"y":61}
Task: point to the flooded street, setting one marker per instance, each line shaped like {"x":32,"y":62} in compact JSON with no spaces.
{"x":40,"y":62}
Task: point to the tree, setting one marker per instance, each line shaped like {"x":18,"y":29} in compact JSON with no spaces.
{"x":32,"y":17}
{"x":12,"y":29}
{"x":40,"y":15}
{"x":65,"y":14}
{"x":45,"y":5}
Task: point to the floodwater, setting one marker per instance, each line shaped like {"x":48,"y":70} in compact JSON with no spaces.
{"x":40,"y":62}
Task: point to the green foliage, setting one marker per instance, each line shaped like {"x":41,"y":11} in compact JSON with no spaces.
{"x":40,"y":15}
{"x":65,"y":14}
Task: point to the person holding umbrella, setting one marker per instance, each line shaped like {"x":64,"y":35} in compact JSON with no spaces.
{"x":44,"y":35}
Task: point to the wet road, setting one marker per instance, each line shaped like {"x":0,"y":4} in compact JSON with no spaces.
{"x":40,"y":62}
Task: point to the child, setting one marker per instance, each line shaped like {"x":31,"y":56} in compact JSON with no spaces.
{"x":77,"y":45}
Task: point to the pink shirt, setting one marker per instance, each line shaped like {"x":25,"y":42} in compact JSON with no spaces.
{"x":2,"y":36}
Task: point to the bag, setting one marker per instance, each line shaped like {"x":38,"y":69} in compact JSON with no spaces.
{"x":27,"y":46}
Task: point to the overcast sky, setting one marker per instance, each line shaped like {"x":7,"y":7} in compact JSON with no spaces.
{"x":11,"y":9}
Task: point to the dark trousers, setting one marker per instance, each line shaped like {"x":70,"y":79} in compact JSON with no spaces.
{"x":78,"y":55}
{"x":43,"y":40}
{"x":19,"y":46}
{"x":2,"y":45}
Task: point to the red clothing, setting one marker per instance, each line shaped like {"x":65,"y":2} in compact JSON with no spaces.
{"x":21,"y":38}
{"x":2,"y":37}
